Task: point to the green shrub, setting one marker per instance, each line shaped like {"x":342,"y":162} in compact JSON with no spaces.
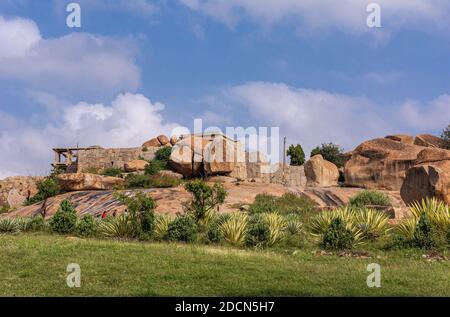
{"x":141,"y":212}
{"x":370,"y":198}
{"x":437,"y":211}
{"x":5,"y":209}
{"x":151,"y":181}
{"x":296,"y":155}
{"x":446,"y":137}
{"x":9,"y":226}
{"x":112,"y":171}
{"x":287,"y":204}
{"x":424,"y":233}
{"x":330,"y":152}
{"x":163,"y":154}
{"x":258,"y":232}
{"x":86,"y":227}
{"x":213,"y":233}
{"x":264,"y":203}
{"x":234,"y":228}
{"x":37,"y":223}
{"x":337,"y":236}
{"x":47,"y":188}
{"x":205,"y":200}
{"x":154,"y":167}
{"x":163,"y":181}
{"x":183,"y":228}
{"x":65,"y":219}
{"x":277,"y":225}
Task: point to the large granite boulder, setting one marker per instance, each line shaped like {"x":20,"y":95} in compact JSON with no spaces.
{"x":15,"y":190}
{"x":430,"y":177}
{"x":135,"y":166}
{"x":320,"y":172}
{"x":187,"y":156}
{"x":152,"y":143}
{"x":163,"y":140}
{"x":221,"y":155}
{"x":380,"y":164}
{"x":429,"y":140}
{"x":86,"y":181}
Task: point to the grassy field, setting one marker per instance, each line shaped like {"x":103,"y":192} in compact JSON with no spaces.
{"x":35,"y":265}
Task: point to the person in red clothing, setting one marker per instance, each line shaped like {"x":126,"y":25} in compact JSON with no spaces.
{"x":104,"y":215}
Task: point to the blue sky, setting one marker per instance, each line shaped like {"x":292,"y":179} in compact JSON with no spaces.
{"x":139,"y":68}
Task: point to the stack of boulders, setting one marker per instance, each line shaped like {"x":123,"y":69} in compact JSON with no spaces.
{"x":87,"y":181}
{"x":415,"y":166}
{"x":161,"y":140}
{"x":206,"y":155}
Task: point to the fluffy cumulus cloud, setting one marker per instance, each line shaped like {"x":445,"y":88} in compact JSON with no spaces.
{"x":129,"y":121}
{"x":311,"y":117}
{"x":75,"y":63}
{"x":349,"y":15}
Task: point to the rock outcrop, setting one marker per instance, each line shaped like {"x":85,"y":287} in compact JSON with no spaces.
{"x":135,"y":166}
{"x":86,"y":181}
{"x":429,"y":140}
{"x":159,"y":141}
{"x":404,"y":138}
{"x":195,"y":155}
{"x":430,"y":177}
{"x":380,"y":164}
{"x":320,"y":172}
{"x":15,"y":190}
{"x":152,"y":143}
{"x":163,"y":140}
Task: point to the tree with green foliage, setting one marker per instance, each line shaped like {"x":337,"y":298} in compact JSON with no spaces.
{"x":163,"y":154}
{"x":424,"y":233}
{"x":446,"y":137}
{"x":296,"y":154}
{"x":47,"y":188}
{"x":154,"y":167}
{"x":204,"y":198}
{"x":337,"y":236}
{"x":330,"y":152}
{"x":65,"y":219}
{"x":141,"y":210}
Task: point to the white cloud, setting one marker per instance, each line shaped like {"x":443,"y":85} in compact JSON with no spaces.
{"x":311,"y":117}
{"x":129,"y":121}
{"x":349,"y":15}
{"x":75,"y":63}
{"x":17,"y":37}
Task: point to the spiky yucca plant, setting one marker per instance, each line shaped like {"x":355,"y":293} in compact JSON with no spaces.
{"x":9,"y":226}
{"x":277,"y":225}
{"x":320,"y":223}
{"x":234,"y":228}
{"x":372,"y":223}
{"x":437,"y":211}
{"x":118,"y":227}
{"x":162,"y":226}
{"x":293,"y":225}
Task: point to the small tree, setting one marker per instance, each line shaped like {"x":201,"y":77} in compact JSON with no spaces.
{"x":330,"y":152}
{"x":446,"y":137}
{"x":205,"y":199}
{"x":296,"y":155}
{"x":65,"y":219}
{"x":141,"y":209}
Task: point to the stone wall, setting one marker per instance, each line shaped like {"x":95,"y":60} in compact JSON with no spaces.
{"x":105,"y":158}
{"x":276,"y":174}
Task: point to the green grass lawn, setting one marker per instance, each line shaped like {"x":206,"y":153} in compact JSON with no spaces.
{"x":35,"y":265}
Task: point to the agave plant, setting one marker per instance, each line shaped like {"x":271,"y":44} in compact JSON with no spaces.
{"x":234,"y":228}
{"x":372,"y":223}
{"x":162,"y":226}
{"x":9,"y":226}
{"x":320,"y":223}
{"x":277,"y":226}
{"x":118,"y":227}
{"x":293,"y":225}
{"x":437,"y":211}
